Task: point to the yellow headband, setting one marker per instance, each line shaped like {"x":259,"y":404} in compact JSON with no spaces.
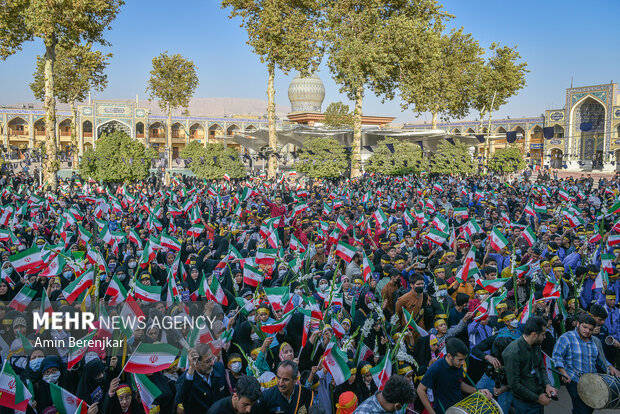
{"x":439,"y":322}
{"x":404,"y":370}
{"x":270,"y":383}
{"x":610,"y":296}
{"x":262,"y":311}
{"x":440,"y":269}
{"x":441,"y":316}
{"x":571,"y":301}
{"x":154,"y":410}
{"x":508,"y":317}
{"x":283,"y":345}
{"x":349,"y":404}
{"x":433,"y":341}
{"x":123,"y":390}
{"x":255,"y":351}
{"x":236,"y":359}
{"x":353,"y":371}
{"x":441,"y":287}
{"x":365,"y":369}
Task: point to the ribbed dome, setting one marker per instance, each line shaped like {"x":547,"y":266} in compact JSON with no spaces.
{"x":306,"y":94}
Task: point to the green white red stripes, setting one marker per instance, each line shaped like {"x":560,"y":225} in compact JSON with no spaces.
{"x":147,"y":390}
{"x":151,"y":358}
{"x":65,"y":402}
{"x":27,"y":260}
{"x":345,"y":251}
{"x":335,"y":361}
{"x":79,"y":285}
{"x":13,"y":392}
{"x":497,"y":240}
{"x":23,"y":298}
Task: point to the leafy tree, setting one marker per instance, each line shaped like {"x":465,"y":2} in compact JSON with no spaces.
{"x":507,"y":160}
{"x":322,"y":158}
{"x":338,"y":115}
{"x":78,"y":69}
{"x":68,"y":22}
{"x":117,"y":158}
{"x":285,"y":34}
{"x":406,"y":158}
{"x":213,"y":161}
{"x":452,"y":159}
{"x":436,"y":75}
{"x":173,"y":82}
{"x":497,"y":79}
{"x":361,"y":36}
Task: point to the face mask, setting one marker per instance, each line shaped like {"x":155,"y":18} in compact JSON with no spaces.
{"x":112,"y":266}
{"x":298,"y":292}
{"x":283,"y":272}
{"x":121,"y":277}
{"x":21,"y":247}
{"x":139,"y":253}
{"x":252,"y":319}
{"x":35,"y":364}
{"x":442,"y":292}
{"x":235,"y":367}
{"x":67,"y":274}
{"x":132,"y":265}
{"x":51,"y":378}
{"x":419,"y":289}
{"x":102,"y":277}
{"x":323,"y":287}
{"x":514,"y":323}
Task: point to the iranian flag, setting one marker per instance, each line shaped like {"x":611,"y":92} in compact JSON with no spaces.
{"x":522,"y":271}
{"x":27,"y":260}
{"x":461,"y":213}
{"x":540,"y":207}
{"x":551,"y":290}
{"x":251,"y":275}
{"x":196,"y":230}
{"x":13,"y":392}
{"x":613,"y":239}
{"x":296,"y":245}
{"x":437,"y":237}
{"x":493,"y":285}
{"x":151,"y":358}
{"x":607,"y":263}
{"x":408,"y":217}
{"x":345,"y":251}
{"x":79,"y":285}
{"x":529,"y":236}
{"x":148,"y":254}
{"x":367,"y":267}
{"x":23,"y":298}
{"x":615,"y":208}
{"x":527,"y":309}
{"x":7,"y":235}
{"x":85,"y":235}
{"x":277,"y":296}
{"x":214,"y":291}
{"x":147,"y":293}
{"x":379,"y":217}
{"x":77,"y":351}
{"x":412,"y":325}
{"x":440,"y":223}
{"x":497,"y":240}
{"x":148,"y":391}
{"x":65,"y":402}
{"x":564,"y":195}
{"x":335,"y":361}
{"x":529,"y":210}
{"x":116,"y":291}
{"x":438,"y":187}
{"x":266,"y":256}
{"x":382,"y":371}
{"x":134,"y":237}
{"x":54,"y":267}
{"x":470,"y":268}
{"x":226,"y":177}
{"x":170,"y":242}
{"x":600,"y":278}
{"x":471,"y":228}
{"x":278,"y":325}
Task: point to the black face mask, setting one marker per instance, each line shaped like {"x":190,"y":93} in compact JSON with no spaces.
{"x":419,"y":289}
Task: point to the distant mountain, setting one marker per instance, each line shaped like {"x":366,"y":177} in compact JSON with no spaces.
{"x":214,"y":107}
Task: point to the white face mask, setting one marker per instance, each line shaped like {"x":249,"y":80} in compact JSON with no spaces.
{"x":235,"y":367}
{"x":298,"y":292}
{"x":51,"y":378}
{"x":323,"y":287}
{"x":442,"y":292}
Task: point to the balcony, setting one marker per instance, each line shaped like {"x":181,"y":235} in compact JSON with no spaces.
{"x":140,"y":135}
{"x":87,"y":134}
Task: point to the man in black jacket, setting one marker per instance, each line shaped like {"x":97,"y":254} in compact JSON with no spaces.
{"x":203,"y":383}
{"x":247,"y":392}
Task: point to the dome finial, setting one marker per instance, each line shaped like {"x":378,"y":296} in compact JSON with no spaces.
{"x":306,"y":94}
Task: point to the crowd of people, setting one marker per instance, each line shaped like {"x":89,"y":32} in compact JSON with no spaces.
{"x":369,"y":295}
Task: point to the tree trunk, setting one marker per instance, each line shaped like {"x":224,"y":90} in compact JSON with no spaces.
{"x":169,"y":143}
{"x":356,"y":156}
{"x":74,"y":141}
{"x":50,"y":164}
{"x":271,"y":120}
{"x":434,"y":121}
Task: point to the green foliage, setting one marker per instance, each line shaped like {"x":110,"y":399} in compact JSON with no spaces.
{"x":406,"y":159}
{"x":322,"y":158}
{"x":213,"y":161}
{"x":77,"y":70}
{"x":117,"y":158}
{"x":437,"y":74}
{"x":507,"y":160}
{"x":501,"y":76}
{"x":173,"y":81}
{"x":452,"y":159}
{"x":338,"y":115}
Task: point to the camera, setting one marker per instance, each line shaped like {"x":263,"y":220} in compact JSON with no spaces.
{"x":497,"y":375}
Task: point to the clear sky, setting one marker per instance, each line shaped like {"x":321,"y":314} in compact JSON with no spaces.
{"x":558,"y":39}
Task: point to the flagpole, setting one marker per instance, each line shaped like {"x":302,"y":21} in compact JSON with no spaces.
{"x":127,"y":362}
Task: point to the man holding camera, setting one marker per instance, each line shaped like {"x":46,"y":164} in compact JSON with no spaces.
{"x":525,"y":371}
{"x":576,"y":354}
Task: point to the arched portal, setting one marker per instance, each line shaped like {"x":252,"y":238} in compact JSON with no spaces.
{"x":232,"y":129}
{"x":39,"y":128}
{"x":18,"y":126}
{"x":556,"y":160}
{"x":558,"y":131}
{"x":590,"y":120}
{"x":112,"y":126}
{"x":215,"y":130}
{"x":139,"y":130}
{"x":197,"y":131}
{"x":87,"y":129}
{"x":470,"y":131}
{"x":178,"y":130}
{"x":520,"y":132}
